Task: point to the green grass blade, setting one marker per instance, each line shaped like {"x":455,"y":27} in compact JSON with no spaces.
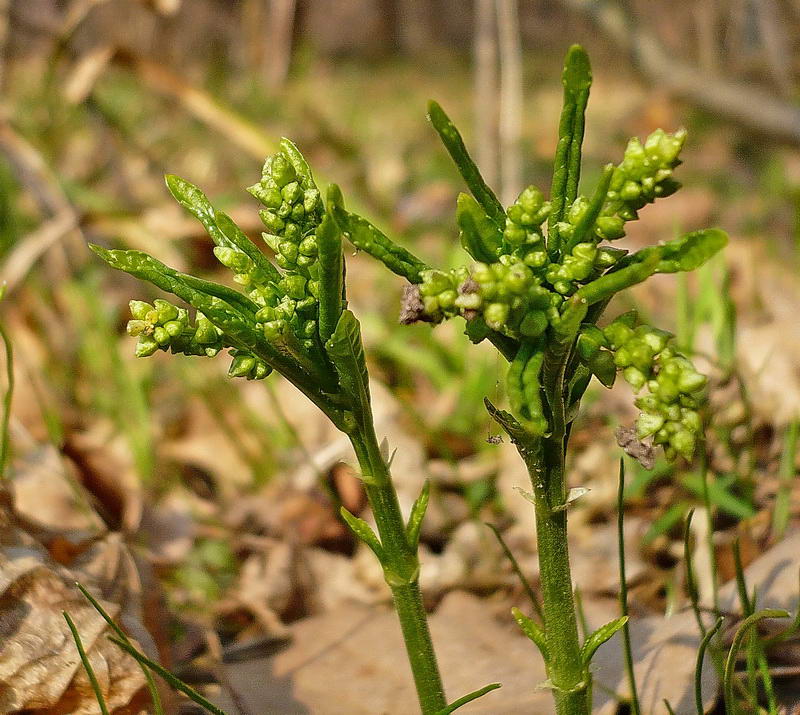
{"x":748,"y":607}
{"x":719,"y":495}
{"x":151,"y":684}
{"x":691,"y":579}
{"x":526,"y":585}
{"x":173,"y":681}
{"x":87,"y":666}
{"x":698,"y":669}
{"x":664,"y":523}
{"x":456,"y":704}
{"x":730,"y":663}
{"x":786,"y":474}
{"x":623,"y":592}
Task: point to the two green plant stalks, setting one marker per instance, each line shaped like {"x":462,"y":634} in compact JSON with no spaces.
{"x":537,"y":295}
{"x":293,"y":319}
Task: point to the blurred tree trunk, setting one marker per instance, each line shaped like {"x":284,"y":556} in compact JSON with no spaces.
{"x":268,"y":26}
{"x":510,"y":99}
{"x":706,"y":16}
{"x":485,"y":90}
{"x":730,"y":95}
{"x":4,"y":10}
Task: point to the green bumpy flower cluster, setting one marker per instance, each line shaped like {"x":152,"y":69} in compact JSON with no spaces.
{"x":523,"y":235}
{"x":518,"y":287}
{"x":669,"y":413}
{"x":293,"y":212}
{"x":292,"y":216}
{"x":164,"y":326}
{"x":645,"y":174}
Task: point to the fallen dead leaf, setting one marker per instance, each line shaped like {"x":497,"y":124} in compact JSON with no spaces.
{"x":351,"y":662}
{"x":40,"y":669}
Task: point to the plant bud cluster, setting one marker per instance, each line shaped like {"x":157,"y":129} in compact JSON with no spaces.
{"x":164,"y":326}
{"x":644,"y":175}
{"x":245,"y":272}
{"x":292,"y":215}
{"x":293,"y":212}
{"x":647,"y":359}
{"x":507,"y":295}
{"x":523,"y":230}
{"x":521,"y":292}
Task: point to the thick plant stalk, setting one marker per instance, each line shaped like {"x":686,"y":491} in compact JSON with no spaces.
{"x":401,"y":569}
{"x":569,"y":679}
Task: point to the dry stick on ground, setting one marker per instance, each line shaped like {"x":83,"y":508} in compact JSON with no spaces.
{"x":240,"y":131}
{"x":753,"y":108}
{"x":35,"y":175}
{"x":28,"y":250}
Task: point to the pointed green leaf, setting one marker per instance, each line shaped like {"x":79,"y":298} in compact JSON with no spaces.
{"x":531,"y":629}
{"x":219,"y":226}
{"x":600,"y":636}
{"x":577,"y":79}
{"x":417,"y":515}
{"x":681,"y":254}
{"x":451,"y":138}
{"x":298,"y":161}
{"x":604,"y":368}
{"x":331,"y":275}
{"x":346,"y":351}
{"x":364,"y":236}
{"x":363,"y":531}
{"x":480,"y":236}
{"x":194,"y":291}
{"x":584,"y":230}
{"x":691,"y":251}
{"x":456,"y":704}
{"x":512,"y":427}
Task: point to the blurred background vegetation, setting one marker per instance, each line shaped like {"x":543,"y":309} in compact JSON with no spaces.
{"x":100,"y":98}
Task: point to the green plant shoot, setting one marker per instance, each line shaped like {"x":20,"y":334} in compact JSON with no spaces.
{"x":542,"y":273}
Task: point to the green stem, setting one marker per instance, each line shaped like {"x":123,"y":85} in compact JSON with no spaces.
{"x":401,"y":569}
{"x":567,"y":675}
